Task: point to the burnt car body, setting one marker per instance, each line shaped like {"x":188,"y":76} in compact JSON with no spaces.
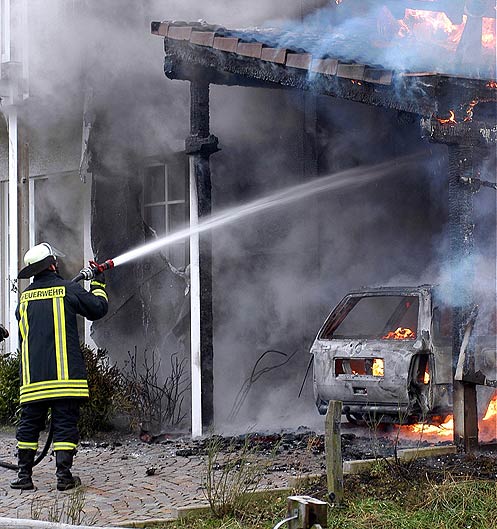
{"x":386,"y":353}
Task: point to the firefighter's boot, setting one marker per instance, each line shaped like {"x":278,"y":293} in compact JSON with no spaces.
{"x":26,"y":458}
{"x":65,"y":480}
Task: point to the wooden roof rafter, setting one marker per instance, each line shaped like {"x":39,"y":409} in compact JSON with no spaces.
{"x":234,"y":57}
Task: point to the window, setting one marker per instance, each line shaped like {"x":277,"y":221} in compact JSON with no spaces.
{"x":165,"y":206}
{"x":376,"y":317}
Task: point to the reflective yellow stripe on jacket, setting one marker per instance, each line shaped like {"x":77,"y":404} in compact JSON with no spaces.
{"x":24,"y":330}
{"x":52,"y":389}
{"x":59,"y":322}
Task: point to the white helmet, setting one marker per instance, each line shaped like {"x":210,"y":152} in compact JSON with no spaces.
{"x":37,"y":259}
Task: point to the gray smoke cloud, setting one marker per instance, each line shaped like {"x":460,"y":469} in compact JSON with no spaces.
{"x":277,"y":276}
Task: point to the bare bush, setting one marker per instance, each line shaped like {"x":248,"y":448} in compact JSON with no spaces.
{"x":159,"y":403}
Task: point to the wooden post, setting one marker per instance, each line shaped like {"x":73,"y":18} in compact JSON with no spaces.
{"x":199,"y":146}
{"x":333,"y":448}
{"x":462,"y":163}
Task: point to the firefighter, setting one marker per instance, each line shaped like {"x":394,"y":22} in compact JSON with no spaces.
{"x":53,"y":373}
{"x":4,"y":333}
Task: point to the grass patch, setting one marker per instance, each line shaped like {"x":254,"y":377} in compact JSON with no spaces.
{"x":450,"y":505}
{"x":387,"y":497}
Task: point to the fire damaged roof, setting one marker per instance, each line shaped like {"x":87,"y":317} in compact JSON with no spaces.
{"x":256,"y":57}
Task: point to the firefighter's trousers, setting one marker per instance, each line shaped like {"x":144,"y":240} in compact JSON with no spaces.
{"x":65,"y":416}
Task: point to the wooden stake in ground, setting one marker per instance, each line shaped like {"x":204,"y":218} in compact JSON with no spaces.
{"x":333,"y":447}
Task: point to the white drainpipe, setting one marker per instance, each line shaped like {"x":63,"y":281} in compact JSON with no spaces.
{"x":13,"y":237}
{"x":195,"y":310}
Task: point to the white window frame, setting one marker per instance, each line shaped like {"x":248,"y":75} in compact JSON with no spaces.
{"x":166,"y":203}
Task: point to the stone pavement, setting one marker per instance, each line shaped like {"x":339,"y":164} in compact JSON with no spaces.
{"x":118,"y":489}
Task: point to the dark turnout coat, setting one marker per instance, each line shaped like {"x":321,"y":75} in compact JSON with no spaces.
{"x":52,"y":364}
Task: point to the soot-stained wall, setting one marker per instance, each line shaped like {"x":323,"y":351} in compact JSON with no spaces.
{"x":146,"y":295}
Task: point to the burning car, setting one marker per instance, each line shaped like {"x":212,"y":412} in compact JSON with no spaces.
{"x":386,"y":353}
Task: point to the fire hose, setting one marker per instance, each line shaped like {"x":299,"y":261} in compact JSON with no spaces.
{"x":87,"y":273}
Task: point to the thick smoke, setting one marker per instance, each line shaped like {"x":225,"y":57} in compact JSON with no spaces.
{"x":379,"y":33}
{"x":277,"y":276}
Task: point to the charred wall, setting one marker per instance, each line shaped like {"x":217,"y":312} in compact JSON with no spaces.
{"x":146,"y":296}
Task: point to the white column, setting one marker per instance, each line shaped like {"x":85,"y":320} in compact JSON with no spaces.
{"x":87,"y":250}
{"x":195,"y":310}
{"x":32,"y":213}
{"x":13,"y":239}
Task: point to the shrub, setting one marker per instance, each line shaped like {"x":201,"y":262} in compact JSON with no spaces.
{"x":9,"y":388}
{"x":106,"y":392}
{"x":156,"y":401}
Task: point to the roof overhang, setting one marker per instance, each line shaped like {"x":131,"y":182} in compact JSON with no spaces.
{"x":194,"y":50}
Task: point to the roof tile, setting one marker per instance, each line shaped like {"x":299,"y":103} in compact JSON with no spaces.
{"x":351,"y":71}
{"x":379,"y":76}
{"x":160,"y":28}
{"x":202,"y":38}
{"x":299,"y":60}
{"x":277,"y":55}
{"x":250,"y":49}
{"x":326,"y":66}
{"x":225,"y":44}
{"x":179,"y":32}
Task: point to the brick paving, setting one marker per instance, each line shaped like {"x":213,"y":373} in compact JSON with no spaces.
{"x":117,"y":488}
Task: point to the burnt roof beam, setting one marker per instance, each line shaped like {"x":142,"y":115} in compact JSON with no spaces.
{"x":425,"y":94}
{"x":407,"y":93}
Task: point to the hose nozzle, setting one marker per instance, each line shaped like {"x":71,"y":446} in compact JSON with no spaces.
{"x":99,"y":268}
{"x":89,"y":272}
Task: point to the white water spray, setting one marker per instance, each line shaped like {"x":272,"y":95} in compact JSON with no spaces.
{"x":356,"y":176}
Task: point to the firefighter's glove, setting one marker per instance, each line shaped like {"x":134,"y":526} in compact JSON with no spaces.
{"x":99,"y":276}
{"x":88,"y":273}
{"x":4,"y":333}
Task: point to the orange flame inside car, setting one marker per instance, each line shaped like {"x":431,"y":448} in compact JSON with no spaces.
{"x":378,"y":367}
{"x":401,"y":333}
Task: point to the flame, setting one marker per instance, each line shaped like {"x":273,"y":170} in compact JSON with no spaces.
{"x":446,"y":429}
{"x":469,"y":110}
{"x":426,"y":377}
{"x":378,"y":367}
{"x":492,"y":84}
{"x":432,"y":26}
{"x":491,"y":410}
{"x":488,"y":38}
{"x":356,"y":82}
{"x":436,"y":27}
{"x":450,"y":119}
{"x":431,"y":432}
{"x":401,"y":333}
